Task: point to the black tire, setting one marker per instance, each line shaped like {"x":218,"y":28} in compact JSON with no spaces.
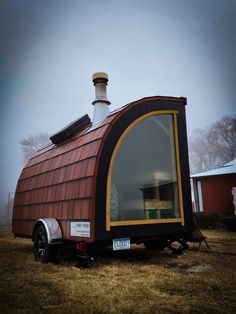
{"x":155,"y":245}
{"x":43,"y":251}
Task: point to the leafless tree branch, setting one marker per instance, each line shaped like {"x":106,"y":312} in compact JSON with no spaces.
{"x":214,"y":146}
{"x":33,"y":143}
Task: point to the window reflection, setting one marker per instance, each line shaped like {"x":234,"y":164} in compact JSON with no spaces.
{"x":144,"y":181}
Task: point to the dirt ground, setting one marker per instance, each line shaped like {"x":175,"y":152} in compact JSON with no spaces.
{"x":134,"y":281}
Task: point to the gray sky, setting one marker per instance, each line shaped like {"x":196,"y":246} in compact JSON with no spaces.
{"x":49,"y":50}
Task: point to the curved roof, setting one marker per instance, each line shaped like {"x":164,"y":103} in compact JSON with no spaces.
{"x":61,"y":178}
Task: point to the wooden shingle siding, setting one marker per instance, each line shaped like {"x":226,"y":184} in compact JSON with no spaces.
{"x":59,"y":182}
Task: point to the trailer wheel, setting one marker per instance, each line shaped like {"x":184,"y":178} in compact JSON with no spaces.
{"x":155,"y":245}
{"x":43,"y":251}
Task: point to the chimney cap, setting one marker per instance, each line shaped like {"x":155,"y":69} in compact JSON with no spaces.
{"x":100,"y":77}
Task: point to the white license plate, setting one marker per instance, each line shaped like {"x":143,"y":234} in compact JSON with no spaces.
{"x":121,"y":244}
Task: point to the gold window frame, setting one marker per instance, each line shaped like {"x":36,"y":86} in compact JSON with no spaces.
{"x":110,"y":223}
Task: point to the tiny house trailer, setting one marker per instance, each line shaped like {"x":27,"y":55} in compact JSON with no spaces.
{"x":121,"y":179}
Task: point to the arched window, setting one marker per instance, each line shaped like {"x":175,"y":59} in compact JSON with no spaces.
{"x":144,"y":184}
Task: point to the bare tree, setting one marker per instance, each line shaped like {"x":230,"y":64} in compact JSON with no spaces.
{"x":223,"y":138}
{"x":198,"y":151}
{"x":33,"y":143}
{"x":214,"y":146}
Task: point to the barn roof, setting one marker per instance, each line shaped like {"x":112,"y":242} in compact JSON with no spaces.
{"x":229,"y":168}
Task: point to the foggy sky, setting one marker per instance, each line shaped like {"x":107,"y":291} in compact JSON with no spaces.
{"x":50,"y":49}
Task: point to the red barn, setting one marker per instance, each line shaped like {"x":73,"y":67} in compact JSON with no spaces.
{"x":213,"y":190}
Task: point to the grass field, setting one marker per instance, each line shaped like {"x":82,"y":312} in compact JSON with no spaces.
{"x":135,"y":281}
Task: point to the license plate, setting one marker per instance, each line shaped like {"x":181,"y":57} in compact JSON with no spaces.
{"x":121,"y":244}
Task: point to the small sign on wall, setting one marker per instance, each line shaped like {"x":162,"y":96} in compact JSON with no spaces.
{"x":80,"y":229}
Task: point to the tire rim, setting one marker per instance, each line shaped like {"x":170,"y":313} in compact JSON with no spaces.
{"x":41,"y":246}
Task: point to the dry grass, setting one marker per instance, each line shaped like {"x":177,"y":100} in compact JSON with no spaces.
{"x":135,"y":281}
{"x":5,"y":231}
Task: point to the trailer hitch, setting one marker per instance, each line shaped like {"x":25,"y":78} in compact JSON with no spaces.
{"x":84,"y":259}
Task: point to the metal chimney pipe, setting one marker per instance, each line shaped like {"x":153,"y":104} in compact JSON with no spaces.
{"x":101,"y":103}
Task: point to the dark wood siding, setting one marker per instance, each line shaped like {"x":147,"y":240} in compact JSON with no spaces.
{"x":118,"y":125}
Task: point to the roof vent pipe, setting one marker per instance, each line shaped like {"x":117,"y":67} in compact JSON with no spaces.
{"x":101,"y":109}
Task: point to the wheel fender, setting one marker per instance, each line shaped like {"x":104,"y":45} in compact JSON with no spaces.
{"x":53,"y":229}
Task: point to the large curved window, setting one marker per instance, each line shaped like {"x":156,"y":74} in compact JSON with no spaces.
{"x":144,"y":180}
